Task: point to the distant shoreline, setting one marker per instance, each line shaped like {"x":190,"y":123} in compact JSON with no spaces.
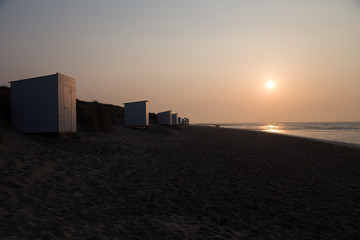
{"x":336,"y":132}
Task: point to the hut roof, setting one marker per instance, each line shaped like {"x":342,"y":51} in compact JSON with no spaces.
{"x":33,"y":78}
{"x":137,"y":102}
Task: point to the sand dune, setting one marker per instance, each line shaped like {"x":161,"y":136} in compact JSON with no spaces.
{"x":177,"y":183}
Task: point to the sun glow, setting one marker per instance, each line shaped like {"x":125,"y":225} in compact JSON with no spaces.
{"x":270,"y":84}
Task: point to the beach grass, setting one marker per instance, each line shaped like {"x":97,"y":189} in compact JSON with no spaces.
{"x":97,"y":117}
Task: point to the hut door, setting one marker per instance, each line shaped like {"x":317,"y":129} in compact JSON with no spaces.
{"x":67,"y":109}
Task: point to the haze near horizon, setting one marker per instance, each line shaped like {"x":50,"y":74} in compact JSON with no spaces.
{"x":212,"y":61}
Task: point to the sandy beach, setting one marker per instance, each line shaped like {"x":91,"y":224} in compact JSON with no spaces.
{"x":186,"y":182}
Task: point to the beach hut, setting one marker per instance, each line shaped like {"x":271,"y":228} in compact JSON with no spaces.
{"x":137,"y":114}
{"x":164,"y":118}
{"x":45,"y":104}
{"x":185,"y":121}
{"x":179,"y":121}
{"x":174,"y":119}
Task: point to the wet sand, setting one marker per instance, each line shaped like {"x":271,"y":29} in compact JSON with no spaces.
{"x":177,"y":183}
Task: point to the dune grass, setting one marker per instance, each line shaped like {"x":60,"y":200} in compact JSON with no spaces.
{"x":100,"y":117}
{"x":97,"y":117}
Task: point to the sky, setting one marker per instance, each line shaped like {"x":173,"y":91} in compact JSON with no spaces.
{"x":208,"y":60}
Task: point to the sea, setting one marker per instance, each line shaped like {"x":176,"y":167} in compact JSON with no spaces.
{"x":343,"y":132}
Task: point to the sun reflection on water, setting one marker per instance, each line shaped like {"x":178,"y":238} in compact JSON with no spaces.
{"x":272,"y":129}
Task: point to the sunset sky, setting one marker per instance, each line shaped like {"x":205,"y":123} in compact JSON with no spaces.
{"x":208,"y":60}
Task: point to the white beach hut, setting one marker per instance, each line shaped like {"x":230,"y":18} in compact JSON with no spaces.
{"x":164,"y":118}
{"x":174,"y":119}
{"x":137,"y":114}
{"x":179,"y":121}
{"x":45,"y":104}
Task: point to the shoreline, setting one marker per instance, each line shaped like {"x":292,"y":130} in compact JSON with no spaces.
{"x":263,"y":127}
{"x":339,"y":143}
{"x":185,"y":182}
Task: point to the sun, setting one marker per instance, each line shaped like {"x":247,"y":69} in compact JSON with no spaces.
{"x":270,"y":84}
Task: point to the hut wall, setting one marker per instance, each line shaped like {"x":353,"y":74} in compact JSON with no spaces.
{"x":67,"y":103}
{"x":174,"y":118}
{"x":34,"y":104}
{"x":137,"y":114}
{"x":164,"y":118}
